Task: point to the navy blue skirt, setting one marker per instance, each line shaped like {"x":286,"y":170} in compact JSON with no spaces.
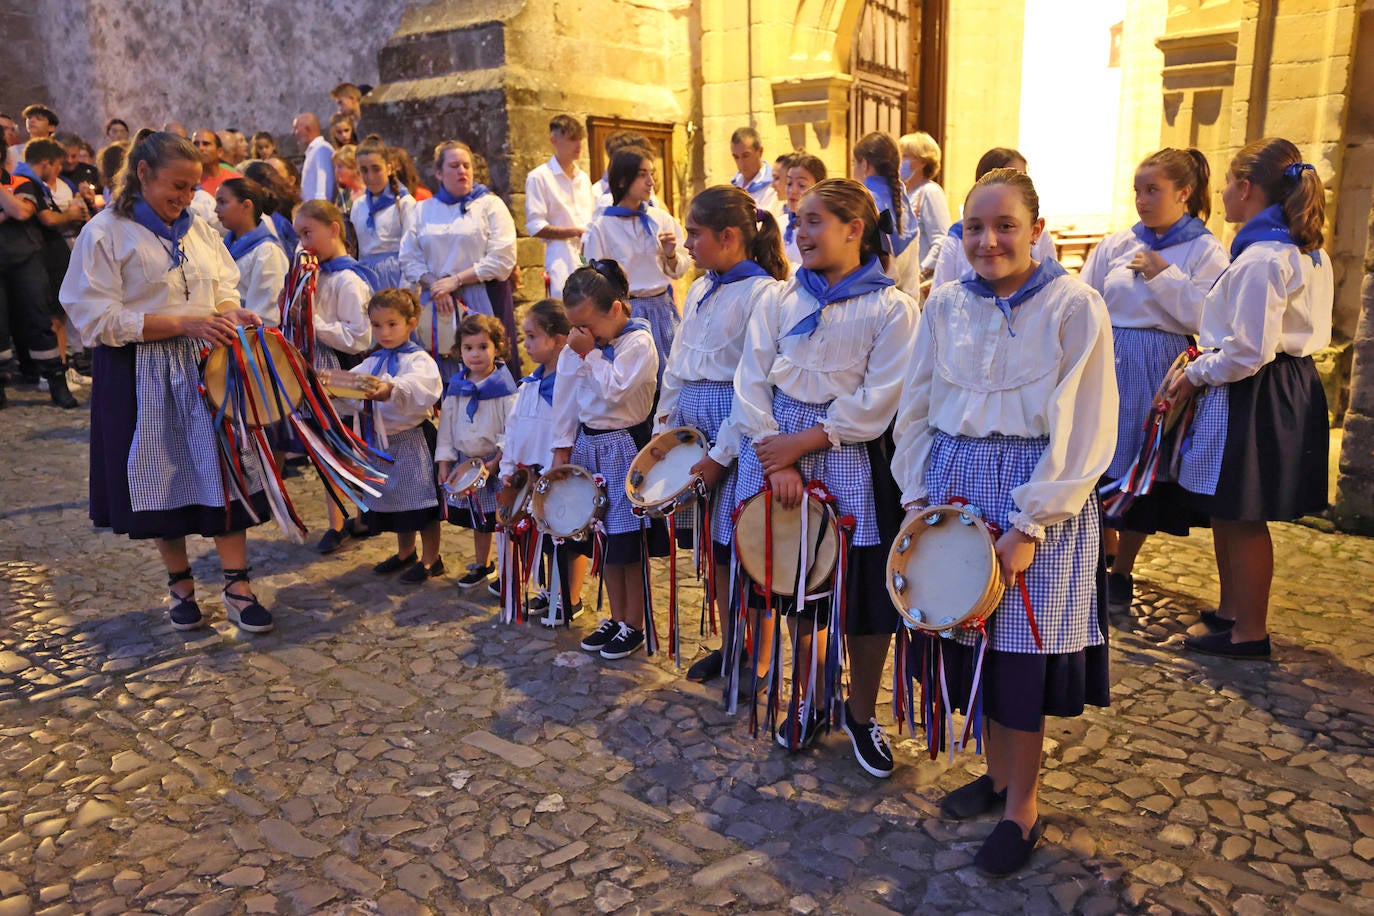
{"x":114,"y":416}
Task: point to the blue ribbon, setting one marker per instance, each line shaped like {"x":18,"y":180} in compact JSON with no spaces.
{"x":634,"y":324}
{"x":497,"y":385}
{"x":1180,"y":233}
{"x":1047,"y":271}
{"x":741,"y":271}
{"x":642,"y":211}
{"x":463,"y":202}
{"x":344,"y":262}
{"x":145,"y":217}
{"x":791,"y":231}
{"x":1267,"y":226}
{"x":240,"y":245}
{"x":286,"y":234}
{"x":865,"y":279}
{"x":544,"y":381}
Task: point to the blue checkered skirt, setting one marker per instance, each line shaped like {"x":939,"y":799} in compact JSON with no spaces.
{"x":663,"y":319}
{"x":610,"y":454}
{"x":410,"y":478}
{"x":845,"y":471}
{"x":1062,"y":578}
{"x":1143,"y":356}
{"x":387,"y":266}
{"x":706,"y":405}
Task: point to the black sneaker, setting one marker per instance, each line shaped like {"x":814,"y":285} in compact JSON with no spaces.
{"x":623,"y":643}
{"x":394,"y":564}
{"x":870,"y":744}
{"x":538,"y":604}
{"x":707,"y":668}
{"x":809,"y":731}
{"x":494,"y":587}
{"x":476,"y":575}
{"x":419,"y":572}
{"x":332,"y":541}
{"x":1120,"y":591}
{"x":597,"y":639}
{"x":559,"y":618}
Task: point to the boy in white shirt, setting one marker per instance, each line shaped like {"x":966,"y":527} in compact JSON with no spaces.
{"x":558,"y":202}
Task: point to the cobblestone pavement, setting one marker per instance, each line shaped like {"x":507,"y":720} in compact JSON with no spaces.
{"x":400,"y":751}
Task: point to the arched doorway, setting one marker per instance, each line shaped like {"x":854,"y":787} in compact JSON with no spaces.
{"x":897,"y":61}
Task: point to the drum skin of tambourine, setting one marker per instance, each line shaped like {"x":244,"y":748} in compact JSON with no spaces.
{"x":567,"y":502}
{"x":469,"y":475}
{"x":660,"y":477}
{"x":215,"y":373}
{"x":822,"y":530}
{"x":513,"y":502}
{"x":942,"y":570}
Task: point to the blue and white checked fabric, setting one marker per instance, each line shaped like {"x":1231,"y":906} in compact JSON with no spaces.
{"x":387,"y":267}
{"x":706,"y":405}
{"x":486,"y":497}
{"x":1143,"y":356}
{"x":1205,"y":443}
{"x":326,"y":357}
{"x":610,"y":455}
{"x":410,"y":479}
{"x":663,"y":320}
{"x":845,"y":471}
{"x":1062,"y":579}
{"x":174,"y":459}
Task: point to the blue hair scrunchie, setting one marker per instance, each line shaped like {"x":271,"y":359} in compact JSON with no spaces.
{"x":1296,"y":169}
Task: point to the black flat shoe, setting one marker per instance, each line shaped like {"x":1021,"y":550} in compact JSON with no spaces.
{"x":395,"y":563}
{"x":1005,"y":851}
{"x":332,"y":541}
{"x":1220,"y":644}
{"x":972,"y":799}
{"x":419,"y":572}
{"x":707,"y":668}
{"x":1215,"y":622}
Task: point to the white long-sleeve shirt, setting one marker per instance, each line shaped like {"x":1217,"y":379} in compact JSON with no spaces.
{"x":969,"y":377}
{"x":391,"y":225}
{"x":262,"y":274}
{"x":529,"y":431}
{"x":624,"y":239}
{"x":766,"y":198}
{"x":604,"y":393}
{"x":121,"y":272}
{"x":317,"y":171}
{"x":708,"y":347}
{"x":482,"y":436}
{"x":415,"y":389}
{"x":931,"y":207}
{"x":555,"y":198}
{"x":1272,"y":299}
{"x":340,"y":306}
{"x":853,"y":360}
{"x":444,"y":241}
{"x":1172,"y":301}
{"x":951,"y":263}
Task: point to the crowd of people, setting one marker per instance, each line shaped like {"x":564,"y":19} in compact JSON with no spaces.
{"x":841,"y":337}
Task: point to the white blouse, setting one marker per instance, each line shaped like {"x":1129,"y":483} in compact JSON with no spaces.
{"x":951,"y":263}
{"x":482,"y":436}
{"x":122,"y":272}
{"x":442,"y":240}
{"x":604,"y":393}
{"x":1172,"y":301}
{"x":625,"y":240}
{"x":262,"y":274}
{"x":341,"y":311}
{"x":853,"y":361}
{"x":391,"y":225}
{"x":555,"y":198}
{"x":708,"y":346}
{"x":529,"y":431}
{"x":932,"y":217}
{"x":415,"y":389}
{"x":970,"y":377}
{"x":1272,"y":299}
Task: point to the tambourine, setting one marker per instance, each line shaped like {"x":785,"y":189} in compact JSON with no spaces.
{"x":513,"y":502}
{"x":465,"y":477}
{"x":340,"y":383}
{"x":822,"y":546}
{"x":942,"y":570}
{"x":276,"y":395}
{"x":567,"y":502}
{"x":660,"y":478}
{"x":438,"y":333}
{"x":1174,"y":410}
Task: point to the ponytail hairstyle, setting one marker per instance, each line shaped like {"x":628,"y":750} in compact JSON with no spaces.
{"x":477,"y":325}
{"x":1186,"y":168}
{"x":403,"y":301}
{"x":999,"y":157}
{"x":881,"y":153}
{"x":322,"y":211}
{"x":550,"y":317}
{"x":111,"y":160}
{"x":249,"y":190}
{"x":378,"y":148}
{"x":602,"y":281}
{"x":1275,"y":166}
{"x":158,"y":150}
{"x":724,"y":206}
{"x":1013,"y":178}
{"x":623,"y":170}
{"x":849,"y":200}
{"x":282,"y":196}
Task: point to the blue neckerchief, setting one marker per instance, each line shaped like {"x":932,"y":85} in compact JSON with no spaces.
{"x":1180,"y":233}
{"x":377,"y":204}
{"x":761,"y":181}
{"x":866,"y":278}
{"x":882,"y":196}
{"x":545,"y":383}
{"x":390,"y":357}
{"x":634,"y":324}
{"x":956,"y":230}
{"x":1267,"y":226}
{"x":145,"y":217}
{"x":741,"y":271}
{"x":477,"y":191}
{"x":286,"y":234}
{"x":791,"y":231}
{"x":497,"y":385}
{"x":642,"y":211}
{"x":24,"y":170}
{"x":344,"y":262}
{"x":1047,"y":271}
{"x":240,"y":245}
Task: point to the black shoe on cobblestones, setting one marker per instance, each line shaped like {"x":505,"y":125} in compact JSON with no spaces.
{"x":870,"y":744}
{"x":597,"y":639}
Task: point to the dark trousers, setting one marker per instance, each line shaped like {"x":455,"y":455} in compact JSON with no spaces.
{"x":25,"y":316}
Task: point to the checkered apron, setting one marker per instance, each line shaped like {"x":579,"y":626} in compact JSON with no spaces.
{"x":1062,"y":578}
{"x":410,"y":480}
{"x":387,"y":266}
{"x":1205,"y":443}
{"x":486,"y":497}
{"x":663,"y":320}
{"x":1143,"y":356}
{"x":845,"y":471}
{"x":706,"y":405}
{"x":174,"y":458}
{"x":610,"y":455}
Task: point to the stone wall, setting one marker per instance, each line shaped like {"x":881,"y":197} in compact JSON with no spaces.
{"x":251,"y":66}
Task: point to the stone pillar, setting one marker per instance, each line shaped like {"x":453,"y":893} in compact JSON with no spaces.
{"x":1354,"y":508}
